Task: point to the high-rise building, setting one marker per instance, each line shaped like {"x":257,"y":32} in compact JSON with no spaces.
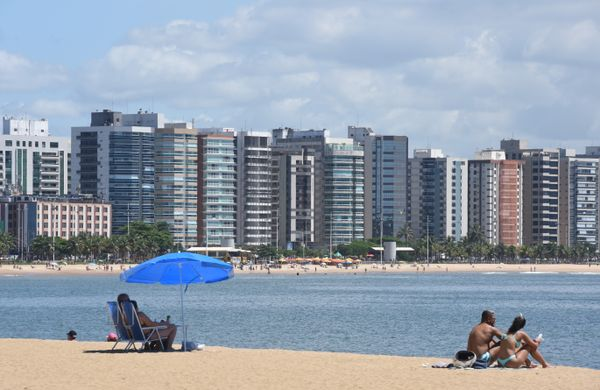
{"x":343,"y":191}
{"x":583,"y":198}
{"x":311,"y":172}
{"x":293,"y":189}
{"x":31,"y":161}
{"x":386,"y":181}
{"x":217,"y":187}
{"x":114,"y":161}
{"x":254,"y":207}
{"x":495,"y":197}
{"x":438,"y":193}
{"x":176,"y":182}
{"x":545,"y":192}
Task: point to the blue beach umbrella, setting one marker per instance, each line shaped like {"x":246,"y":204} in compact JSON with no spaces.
{"x":182,"y":268}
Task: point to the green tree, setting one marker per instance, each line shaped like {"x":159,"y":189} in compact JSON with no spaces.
{"x":7,"y":243}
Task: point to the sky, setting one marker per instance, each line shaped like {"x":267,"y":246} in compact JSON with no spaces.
{"x":455,"y":75}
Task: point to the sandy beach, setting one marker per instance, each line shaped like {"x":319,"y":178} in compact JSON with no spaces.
{"x":80,"y":269}
{"x":48,"y":364}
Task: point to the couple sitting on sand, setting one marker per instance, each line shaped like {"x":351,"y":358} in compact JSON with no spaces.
{"x":511,"y":350}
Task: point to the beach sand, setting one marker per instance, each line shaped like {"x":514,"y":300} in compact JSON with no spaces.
{"x":48,"y":364}
{"x":79,"y":269}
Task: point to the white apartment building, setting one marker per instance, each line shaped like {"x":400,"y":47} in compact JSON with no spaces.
{"x":438,"y":195}
{"x":31,"y":161}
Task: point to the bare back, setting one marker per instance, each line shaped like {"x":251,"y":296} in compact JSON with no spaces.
{"x":480,"y":338}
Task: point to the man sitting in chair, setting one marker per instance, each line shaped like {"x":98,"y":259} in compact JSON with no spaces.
{"x":168,"y":333}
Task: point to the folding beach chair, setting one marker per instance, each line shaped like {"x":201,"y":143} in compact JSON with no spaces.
{"x":137,"y":331}
{"x":117,"y":318}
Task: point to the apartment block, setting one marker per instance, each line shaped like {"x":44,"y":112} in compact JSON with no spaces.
{"x":326,"y":166}
{"x":176,"y":181}
{"x":495,"y":197}
{"x":26,"y":217}
{"x":343,"y":191}
{"x":31,"y":161}
{"x":217,"y":187}
{"x":114,"y":161}
{"x":438,"y":195}
{"x":545,"y":192}
{"x":254,"y":205}
{"x":583,"y":199}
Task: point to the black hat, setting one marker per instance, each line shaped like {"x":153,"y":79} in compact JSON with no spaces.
{"x":72,"y":333}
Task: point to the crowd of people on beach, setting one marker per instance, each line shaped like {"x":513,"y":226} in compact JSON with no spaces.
{"x":512,"y":349}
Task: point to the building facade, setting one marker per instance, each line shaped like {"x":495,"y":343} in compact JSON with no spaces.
{"x":344,"y":191}
{"x":386,"y":181}
{"x":438,"y":195}
{"x":115,"y":163}
{"x":176,"y":182}
{"x":32,"y":162}
{"x":583,"y":194}
{"x":254,"y":205}
{"x":314,"y":170}
{"x":545,"y":192}
{"x":27,"y":127}
{"x":495,"y":197}
{"x":217,"y":187}
{"x":25,"y":217}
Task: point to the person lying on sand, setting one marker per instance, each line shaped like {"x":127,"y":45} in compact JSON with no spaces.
{"x":481,"y":340}
{"x":517,"y":345}
{"x":168,"y":333}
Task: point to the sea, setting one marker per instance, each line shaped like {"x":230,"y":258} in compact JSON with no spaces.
{"x":416,"y":314}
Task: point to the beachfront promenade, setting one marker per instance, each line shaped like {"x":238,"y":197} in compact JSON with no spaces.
{"x":45,"y":364}
{"x":80,"y":269}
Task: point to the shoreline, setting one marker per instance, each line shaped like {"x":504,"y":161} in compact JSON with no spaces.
{"x":52,"y":364}
{"x":491,"y":268}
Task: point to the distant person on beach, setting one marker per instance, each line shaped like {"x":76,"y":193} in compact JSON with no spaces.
{"x":72,"y":335}
{"x":168,"y":333}
{"x":517,"y":345}
{"x":481,"y":340}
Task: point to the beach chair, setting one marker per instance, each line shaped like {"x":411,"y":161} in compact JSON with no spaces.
{"x":117,"y":318}
{"x":136,"y":331}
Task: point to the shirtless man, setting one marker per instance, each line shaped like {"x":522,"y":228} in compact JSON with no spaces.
{"x":481,"y":340}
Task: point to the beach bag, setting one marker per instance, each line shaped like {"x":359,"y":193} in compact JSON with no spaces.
{"x":464,"y":359}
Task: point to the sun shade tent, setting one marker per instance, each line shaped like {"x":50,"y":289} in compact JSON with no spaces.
{"x":181,"y":269}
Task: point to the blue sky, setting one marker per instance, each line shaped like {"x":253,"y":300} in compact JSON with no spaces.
{"x":457,"y":75}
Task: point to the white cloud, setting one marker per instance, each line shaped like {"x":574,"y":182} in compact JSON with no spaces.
{"x":459,"y":76}
{"x":18,"y":73}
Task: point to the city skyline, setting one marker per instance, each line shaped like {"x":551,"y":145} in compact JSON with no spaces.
{"x":460,"y":78}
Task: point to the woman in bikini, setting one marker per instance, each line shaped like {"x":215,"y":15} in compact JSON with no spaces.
{"x":516,"y":347}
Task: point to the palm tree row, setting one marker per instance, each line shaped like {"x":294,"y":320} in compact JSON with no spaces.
{"x":144,"y":241}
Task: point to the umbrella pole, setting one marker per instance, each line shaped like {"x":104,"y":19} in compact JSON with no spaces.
{"x":182,"y":319}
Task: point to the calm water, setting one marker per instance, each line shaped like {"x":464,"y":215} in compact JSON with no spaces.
{"x":393,"y":314}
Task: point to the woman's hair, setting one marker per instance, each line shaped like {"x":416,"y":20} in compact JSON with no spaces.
{"x":122,"y":298}
{"x":517,"y":324}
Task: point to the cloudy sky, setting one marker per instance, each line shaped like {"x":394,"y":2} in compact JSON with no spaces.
{"x":457,"y":75}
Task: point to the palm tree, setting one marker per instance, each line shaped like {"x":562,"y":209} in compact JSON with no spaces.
{"x":7,"y":243}
{"x":406,"y":233}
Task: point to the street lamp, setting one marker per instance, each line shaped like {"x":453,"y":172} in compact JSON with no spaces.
{"x":428,"y":239}
{"x":54,"y":227}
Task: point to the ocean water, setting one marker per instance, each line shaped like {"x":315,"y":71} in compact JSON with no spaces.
{"x":390,"y":314}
